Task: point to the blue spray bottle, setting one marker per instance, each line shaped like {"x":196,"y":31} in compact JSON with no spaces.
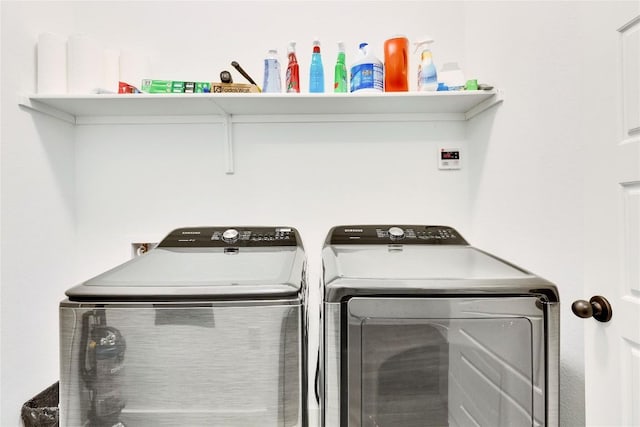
{"x":316,"y":72}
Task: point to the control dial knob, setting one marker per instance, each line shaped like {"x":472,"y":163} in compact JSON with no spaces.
{"x":230,"y":235}
{"x":396,"y":233}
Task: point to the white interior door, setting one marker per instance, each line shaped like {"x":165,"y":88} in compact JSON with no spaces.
{"x":612,"y":349}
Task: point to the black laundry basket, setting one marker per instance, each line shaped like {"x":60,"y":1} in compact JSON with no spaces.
{"x":42,"y":409}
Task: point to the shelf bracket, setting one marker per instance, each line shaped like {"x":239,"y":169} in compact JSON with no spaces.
{"x":228,"y":135}
{"x":40,"y":107}
{"x":485,"y":105}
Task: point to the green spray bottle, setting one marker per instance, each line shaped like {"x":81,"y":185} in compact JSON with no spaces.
{"x":340,"y":73}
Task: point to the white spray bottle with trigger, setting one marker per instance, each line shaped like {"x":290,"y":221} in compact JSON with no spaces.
{"x":427,"y":74}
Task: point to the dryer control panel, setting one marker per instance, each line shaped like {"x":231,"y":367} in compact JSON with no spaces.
{"x":224,"y":237}
{"x":395,"y":234}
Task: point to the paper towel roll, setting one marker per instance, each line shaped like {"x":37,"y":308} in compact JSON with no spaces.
{"x":111,"y":70}
{"x":134,"y":67}
{"x":85,"y":64}
{"x":52,"y":63}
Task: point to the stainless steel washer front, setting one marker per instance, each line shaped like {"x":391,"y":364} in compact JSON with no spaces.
{"x":206,"y":329}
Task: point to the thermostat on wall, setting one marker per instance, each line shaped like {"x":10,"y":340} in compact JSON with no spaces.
{"x":449,"y":158}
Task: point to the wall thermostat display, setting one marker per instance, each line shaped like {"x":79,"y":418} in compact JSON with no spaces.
{"x":449,"y":158}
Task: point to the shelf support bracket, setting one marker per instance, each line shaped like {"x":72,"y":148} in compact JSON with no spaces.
{"x":485,"y":105}
{"x":228,"y":135}
{"x":40,"y":107}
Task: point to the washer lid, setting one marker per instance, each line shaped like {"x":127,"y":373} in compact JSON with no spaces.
{"x":207,"y":263}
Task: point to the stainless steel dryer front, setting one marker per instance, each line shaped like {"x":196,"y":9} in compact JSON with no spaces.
{"x":421,"y":329}
{"x":206,"y":329}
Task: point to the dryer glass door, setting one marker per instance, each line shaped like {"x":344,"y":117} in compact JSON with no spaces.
{"x":445,"y":362}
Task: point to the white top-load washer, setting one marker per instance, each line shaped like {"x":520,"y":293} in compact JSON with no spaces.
{"x":206,"y":329}
{"x":422,"y":329}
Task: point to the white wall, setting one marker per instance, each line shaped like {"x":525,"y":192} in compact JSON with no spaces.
{"x":85,"y":193}
{"x":556,"y":62}
{"x":38,"y":214}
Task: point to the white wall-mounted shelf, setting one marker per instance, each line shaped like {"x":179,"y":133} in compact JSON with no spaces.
{"x":261,"y":108}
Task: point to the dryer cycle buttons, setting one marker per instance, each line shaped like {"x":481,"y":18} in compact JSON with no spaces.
{"x":405,"y":234}
{"x":230,"y":235}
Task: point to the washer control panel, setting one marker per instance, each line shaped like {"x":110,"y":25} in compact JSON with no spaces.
{"x":395,"y":234}
{"x":207,"y":237}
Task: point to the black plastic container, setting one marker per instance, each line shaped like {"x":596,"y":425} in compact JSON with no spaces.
{"x":42,"y":410}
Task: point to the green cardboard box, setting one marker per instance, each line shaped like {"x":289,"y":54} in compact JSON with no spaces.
{"x":174,"y":86}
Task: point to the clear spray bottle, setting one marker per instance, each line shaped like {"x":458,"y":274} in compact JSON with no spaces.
{"x":427,"y":74}
{"x":272,"y":82}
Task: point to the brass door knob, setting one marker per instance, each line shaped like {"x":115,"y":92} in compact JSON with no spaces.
{"x":597,"y":307}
